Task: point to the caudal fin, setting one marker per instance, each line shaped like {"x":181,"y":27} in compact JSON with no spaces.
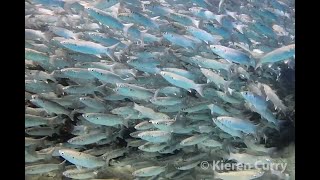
{"x":110,"y":52}
{"x":199,"y":88}
{"x":72,"y":115}
{"x":126,"y":123}
{"x":62,"y":164}
{"x":226,"y":86}
{"x":258,"y":64}
{"x":126,"y":28}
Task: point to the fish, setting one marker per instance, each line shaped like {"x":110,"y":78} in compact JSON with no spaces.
{"x":180,"y":40}
{"x":215,"y":78}
{"x":238,"y":124}
{"x":148,"y":171}
{"x":36,"y":56}
{"x":88,"y":47}
{"x":144,"y":125}
{"x":80,"y":173}
{"x":105,"y":119}
{"x":150,"y":113}
{"x":233,"y":55}
{"x":51,"y":106}
{"x":155,"y":136}
{"x":89,"y":138}
{"x":81,"y":159}
{"x":36,"y":142}
{"x":277,"y":55}
{"x":32,"y":120}
{"x":272,"y":96}
{"x":255,"y":173}
{"x":193,"y":140}
{"x":44,"y":168}
{"x":129,"y":89}
{"x":182,"y":82}
{"x":152,"y":147}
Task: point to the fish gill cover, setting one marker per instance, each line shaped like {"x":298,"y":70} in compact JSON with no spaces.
{"x":170,"y":89}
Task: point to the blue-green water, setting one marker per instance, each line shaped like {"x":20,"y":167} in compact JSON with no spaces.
{"x":137,"y":89}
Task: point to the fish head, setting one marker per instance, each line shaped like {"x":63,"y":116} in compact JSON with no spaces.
{"x":87,"y":115}
{"x":246,"y":95}
{"x":95,"y":72}
{"x":84,"y":99}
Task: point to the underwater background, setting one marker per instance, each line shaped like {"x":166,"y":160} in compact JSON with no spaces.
{"x":160,"y":89}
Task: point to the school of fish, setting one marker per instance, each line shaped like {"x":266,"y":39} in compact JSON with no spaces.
{"x":148,"y":89}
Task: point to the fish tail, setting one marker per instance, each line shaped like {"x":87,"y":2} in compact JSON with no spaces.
{"x":199,"y":88}
{"x":51,"y":77}
{"x":48,"y":36}
{"x":55,"y":120}
{"x":126,"y":123}
{"x":126,"y":28}
{"x":196,"y":23}
{"x":72,"y":114}
{"x":226,"y":86}
{"x":43,"y":141}
{"x":258,"y":64}
{"x":232,"y":71}
{"x":156,"y":94}
{"x":130,"y":79}
{"x":280,"y":124}
{"x":62,"y":164}
{"x":48,"y":156}
{"x":102,"y":89}
{"x":110,"y":51}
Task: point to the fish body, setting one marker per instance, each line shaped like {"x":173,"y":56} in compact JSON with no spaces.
{"x":81,"y":159}
{"x":182,"y":82}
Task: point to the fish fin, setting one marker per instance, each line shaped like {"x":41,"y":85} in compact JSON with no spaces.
{"x":55,"y":120}
{"x":107,"y":161}
{"x":78,"y":35}
{"x":199,"y":88}
{"x":98,"y":55}
{"x":130,"y":80}
{"x":79,"y":167}
{"x":72,"y":114}
{"x":210,"y":106}
{"x":154,"y":18}
{"x":135,"y":106}
{"x":51,"y":59}
{"x":134,"y":72}
{"x":127,"y":43}
{"x":144,"y":31}
{"x":258,"y":64}
{"x":48,"y":155}
{"x":42,"y":141}
{"x":115,"y":9}
{"x":62,"y":164}
{"x":126,"y":28}
{"x":48,"y":36}
{"x":102,"y":89}
{"x":110,"y":51}
{"x":126,"y":123}
{"x":196,"y":23}
{"x":226,"y":86}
